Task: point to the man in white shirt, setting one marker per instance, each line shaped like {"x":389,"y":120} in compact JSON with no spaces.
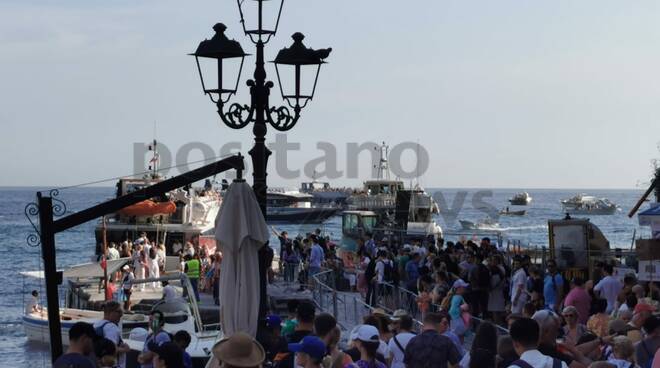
{"x":519,"y":294}
{"x":609,"y":288}
{"x":113,"y":253}
{"x":398,"y":343}
{"x":108,"y":328}
{"x":33,"y":305}
{"x":525,"y":335}
{"x":169,"y":293}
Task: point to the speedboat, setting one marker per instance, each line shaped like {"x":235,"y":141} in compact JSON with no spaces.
{"x":507,"y":212}
{"x":582,"y":204}
{"x":35,"y":324}
{"x":180,"y":314}
{"x":486,"y":224}
{"x":520,"y":199}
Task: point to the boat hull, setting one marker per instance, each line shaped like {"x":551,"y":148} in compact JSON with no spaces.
{"x":300,"y":215}
{"x":513,"y":213}
{"x":593,"y":212}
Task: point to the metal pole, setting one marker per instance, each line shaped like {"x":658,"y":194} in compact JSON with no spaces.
{"x":51,"y":276}
{"x":259,"y":154}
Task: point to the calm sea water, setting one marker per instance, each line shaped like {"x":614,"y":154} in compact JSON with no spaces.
{"x":77,"y":245}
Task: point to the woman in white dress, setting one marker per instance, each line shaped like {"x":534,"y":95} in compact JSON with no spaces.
{"x":154,"y":267}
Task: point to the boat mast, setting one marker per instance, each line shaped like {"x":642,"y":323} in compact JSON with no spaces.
{"x":383,"y":166}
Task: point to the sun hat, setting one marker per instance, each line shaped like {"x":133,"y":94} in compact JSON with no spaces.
{"x":460,"y":284}
{"x":239,"y":350}
{"x":310,"y":345}
{"x":379,"y":312}
{"x":398,"y":314}
{"x":366,"y":333}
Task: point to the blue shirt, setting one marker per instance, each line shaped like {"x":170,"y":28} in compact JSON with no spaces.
{"x":159,"y":338}
{"x":550,"y":288}
{"x":73,"y":360}
{"x":187,"y":360}
{"x":316,"y":256}
{"x":455,"y":308}
{"x":412,"y":270}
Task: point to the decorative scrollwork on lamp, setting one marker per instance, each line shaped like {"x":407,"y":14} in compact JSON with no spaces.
{"x":33,"y":238}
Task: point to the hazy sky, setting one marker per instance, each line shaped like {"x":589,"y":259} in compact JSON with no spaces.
{"x":523,"y":94}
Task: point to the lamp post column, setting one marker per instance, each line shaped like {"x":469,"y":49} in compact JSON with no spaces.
{"x":259,"y":153}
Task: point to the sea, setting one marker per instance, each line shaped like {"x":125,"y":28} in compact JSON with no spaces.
{"x":76,"y":246}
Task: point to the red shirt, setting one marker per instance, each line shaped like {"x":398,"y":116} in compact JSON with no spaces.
{"x":581,"y":300}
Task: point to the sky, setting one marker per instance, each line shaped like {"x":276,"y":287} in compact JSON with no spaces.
{"x":499,"y":94}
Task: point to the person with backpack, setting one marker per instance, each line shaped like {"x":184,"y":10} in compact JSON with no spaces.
{"x":398,"y":342}
{"x":384,"y":273}
{"x":525,"y":334}
{"x":158,"y":336}
{"x":108,"y":328}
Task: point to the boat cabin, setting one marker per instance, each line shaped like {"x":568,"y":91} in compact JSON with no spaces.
{"x":389,"y":187}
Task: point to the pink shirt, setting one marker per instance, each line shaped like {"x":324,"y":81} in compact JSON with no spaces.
{"x":581,"y":300}
{"x":656,"y":360}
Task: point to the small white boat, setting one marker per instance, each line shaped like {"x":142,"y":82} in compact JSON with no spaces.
{"x":35,"y":324}
{"x":487,"y":224}
{"x":582,"y":204}
{"x":520,"y":199}
{"x":507,"y":212}
{"x":179,"y":314}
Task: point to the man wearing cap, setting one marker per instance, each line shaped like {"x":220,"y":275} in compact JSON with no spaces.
{"x":430,"y":348}
{"x":398,"y":342}
{"x":309,"y":352}
{"x":239,"y":350}
{"x":81,"y":345}
{"x":168,"y":355}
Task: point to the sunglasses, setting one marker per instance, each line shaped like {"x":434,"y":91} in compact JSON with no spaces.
{"x":569,"y":315}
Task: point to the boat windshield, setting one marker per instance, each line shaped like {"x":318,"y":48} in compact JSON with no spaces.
{"x":369,"y":222}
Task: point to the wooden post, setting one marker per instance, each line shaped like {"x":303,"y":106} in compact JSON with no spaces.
{"x":50,"y":274}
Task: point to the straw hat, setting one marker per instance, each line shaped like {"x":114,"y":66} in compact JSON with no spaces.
{"x":239,"y":350}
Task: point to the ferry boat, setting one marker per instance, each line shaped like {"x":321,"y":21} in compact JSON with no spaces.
{"x":380,"y":195}
{"x":293,"y":206}
{"x":582,"y":204}
{"x":521,"y":199}
{"x":324,"y":194}
{"x":180,"y":216}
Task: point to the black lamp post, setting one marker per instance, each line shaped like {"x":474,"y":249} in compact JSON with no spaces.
{"x":259,"y":111}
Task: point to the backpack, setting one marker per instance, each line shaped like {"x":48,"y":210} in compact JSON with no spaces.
{"x":556,"y":363}
{"x":388,"y":272}
{"x":370,"y":272}
{"x":100,"y":332}
{"x":483,"y":276}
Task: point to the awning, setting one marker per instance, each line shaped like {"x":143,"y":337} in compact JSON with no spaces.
{"x":649,"y":216}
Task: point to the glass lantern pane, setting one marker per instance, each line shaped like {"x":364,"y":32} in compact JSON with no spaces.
{"x":305,"y":88}
{"x":230,"y":74}
{"x":270,"y":11}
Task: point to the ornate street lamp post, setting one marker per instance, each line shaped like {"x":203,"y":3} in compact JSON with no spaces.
{"x":259,"y":111}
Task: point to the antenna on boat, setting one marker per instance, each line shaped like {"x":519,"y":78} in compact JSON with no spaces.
{"x":153,"y":163}
{"x":383,"y":166}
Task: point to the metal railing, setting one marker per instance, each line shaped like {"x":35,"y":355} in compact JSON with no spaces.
{"x":350,"y":309}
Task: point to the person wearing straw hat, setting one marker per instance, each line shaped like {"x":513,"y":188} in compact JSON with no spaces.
{"x":239,"y":351}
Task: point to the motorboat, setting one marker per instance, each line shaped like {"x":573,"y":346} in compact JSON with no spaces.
{"x":323,"y":194}
{"x":520,"y":199}
{"x":35,"y":323}
{"x":285,"y":206}
{"x":179,"y":216}
{"x":583,"y":204}
{"x":179,"y":314}
{"x":507,"y":212}
{"x":486,"y":224}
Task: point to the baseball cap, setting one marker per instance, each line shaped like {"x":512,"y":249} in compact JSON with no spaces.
{"x":310,"y":345}
{"x":398,"y":314}
{"x":273,"y":321}
{"x":643,"y":307}
{"x":460,"y":283}
{"x":366,"y":333}
{"x":170,"y":352}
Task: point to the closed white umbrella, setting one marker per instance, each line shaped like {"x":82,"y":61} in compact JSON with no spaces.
{"x":240,"y":230}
